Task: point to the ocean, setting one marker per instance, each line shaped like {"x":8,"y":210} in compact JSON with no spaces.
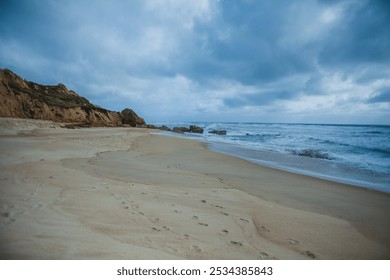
{"x":353,"y":154}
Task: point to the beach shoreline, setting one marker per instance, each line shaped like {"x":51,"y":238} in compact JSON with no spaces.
{"x":352,"y":154}
{"x":124,"y":193}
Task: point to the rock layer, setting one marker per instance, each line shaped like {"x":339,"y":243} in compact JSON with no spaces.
{"x":23,"y":99}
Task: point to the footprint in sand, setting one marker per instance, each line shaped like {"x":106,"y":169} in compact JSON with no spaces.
{"x":4,"y":214}
{"x":196,"y":248}
{"x":186,"y":236}
{"x":263,"y":228}
{"x":156,"y":229}
{"x":172,"y":248}
{"x":263,"y":255}
{"x":310,"y":254}
{"x":64,"y":196}
{"x":225,"y":231}
{"x":224,"y":213}
{"x":244,"y":220}
{"x":203,"y":224}
{"x":237,"y":243}
{"x":293,"y":241}
{"x":135,"y":206}
{"x":6,"y":218}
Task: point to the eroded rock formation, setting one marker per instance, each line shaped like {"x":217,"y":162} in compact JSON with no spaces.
{"x":23,"y":99}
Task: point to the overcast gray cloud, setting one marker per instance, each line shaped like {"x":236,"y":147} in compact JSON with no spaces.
{"x":206,"y":60}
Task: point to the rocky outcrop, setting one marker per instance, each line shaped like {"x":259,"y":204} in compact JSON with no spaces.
{"x":191,"y":129}
{"x":164,"y":127}
{"x":131,"y":118}
{"x":180,"y":129}
{"x":219,"y":132}
{"x":311,"y":153}
{"x":23,"y":99}
{"x":196,"y":129}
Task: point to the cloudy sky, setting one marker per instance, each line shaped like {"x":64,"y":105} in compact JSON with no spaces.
{"x":310,"y":61}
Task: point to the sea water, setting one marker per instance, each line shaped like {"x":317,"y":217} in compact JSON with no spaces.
{"x":355,"y":154}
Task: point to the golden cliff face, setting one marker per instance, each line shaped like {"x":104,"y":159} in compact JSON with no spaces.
{"x":23,"y":99}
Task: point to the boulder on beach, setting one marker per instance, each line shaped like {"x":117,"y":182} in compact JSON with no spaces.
{"x":180,"y":129}
{"x":191,"y":129}
{"x":164,"y":127}
{"x":195,"y":129}
{"x":131,"y":118}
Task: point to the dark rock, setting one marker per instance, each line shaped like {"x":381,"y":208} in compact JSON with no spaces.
{"x":165,"y":128}
{"x":219,"y":132}
{"x":312,"y":154}
{"x":195,"y":129}
{"x":180,"y":129}
{"x":131,"y":118}
{"x":192,"y":129}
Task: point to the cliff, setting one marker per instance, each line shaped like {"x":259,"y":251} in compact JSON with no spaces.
{"x":23,"y":99}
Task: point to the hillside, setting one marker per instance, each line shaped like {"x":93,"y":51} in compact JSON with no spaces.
{"x":23,"y":99}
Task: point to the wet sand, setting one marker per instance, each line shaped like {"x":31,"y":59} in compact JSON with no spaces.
{"x":122,"y":193}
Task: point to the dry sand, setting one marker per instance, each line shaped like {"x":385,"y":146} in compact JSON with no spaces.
{"x":122,"y":193}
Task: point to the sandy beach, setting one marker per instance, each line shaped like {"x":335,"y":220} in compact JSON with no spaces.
{"x":124,"y":193}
